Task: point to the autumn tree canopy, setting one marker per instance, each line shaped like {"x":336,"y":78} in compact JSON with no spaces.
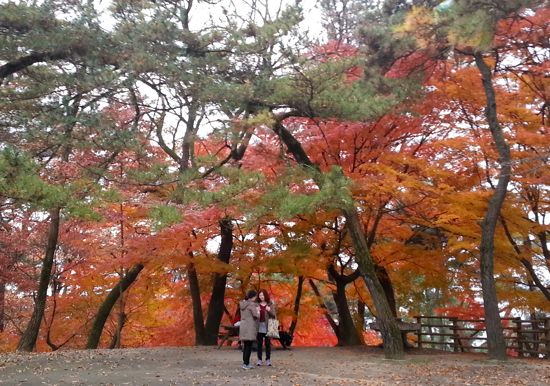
{"x":154,"y":168}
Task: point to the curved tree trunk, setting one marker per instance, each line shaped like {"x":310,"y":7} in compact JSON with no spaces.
{"x":495,"y":338}
{"x":526,"y":263}
{"x":217,"y":305}
{"x":108,"y":304}
{"x":322,"y":304}
{"x":28,"y":340}
{"x":391,"y":335}
{"x":297,"y":300}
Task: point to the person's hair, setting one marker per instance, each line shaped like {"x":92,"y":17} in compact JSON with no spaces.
{"x":250,"y":294}
{"x":266,"y":296}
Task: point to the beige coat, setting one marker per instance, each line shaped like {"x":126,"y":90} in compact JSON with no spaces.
{"x":248,"y":329}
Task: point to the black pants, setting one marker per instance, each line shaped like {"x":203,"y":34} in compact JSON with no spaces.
{"x":260,"y":339}
{"x":247,"y":350}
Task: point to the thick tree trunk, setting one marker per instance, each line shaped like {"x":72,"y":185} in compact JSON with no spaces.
{"x":495,"y":338}
{"x":108,"y":304}
{"x":393,"y":343}
{"x":28,"y":340}
{"x":217,"y":305}
{"x":297,"y":300}
{"x":347,"y":331}
{"x":198,"y":318}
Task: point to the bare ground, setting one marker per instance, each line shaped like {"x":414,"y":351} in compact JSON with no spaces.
{"x":297,"y":366}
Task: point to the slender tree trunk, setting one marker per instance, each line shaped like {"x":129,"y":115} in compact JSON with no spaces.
{"x":115,"y":342}
{"x":217,"y":304}
{"x":30,"y":335}
{"x":49,"y":342}
{"x":324,"y":307}
{"x":108,"y":304}
{"x":297,"y":300}
{"x":387,"y":286}
{"x":198,"y":318}
{"x":526,"y":263}
{"x":495,"y":338}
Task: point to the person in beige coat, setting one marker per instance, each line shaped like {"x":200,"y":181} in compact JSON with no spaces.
{"x":248,"y":329}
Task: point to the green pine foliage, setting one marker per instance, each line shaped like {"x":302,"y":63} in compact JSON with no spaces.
{"x":20,"y":182}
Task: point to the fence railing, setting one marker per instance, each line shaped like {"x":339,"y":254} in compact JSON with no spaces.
{"x":524,"y":337}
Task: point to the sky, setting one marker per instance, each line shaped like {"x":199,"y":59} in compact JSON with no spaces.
{"x":312,"y":15}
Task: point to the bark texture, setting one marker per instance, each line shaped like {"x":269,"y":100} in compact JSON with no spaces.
{"x":348,"y":335}
{"x":297,"y":300}
{"x":30,"y":335}
{"x":216,"y":306}
{"x":198,"y":318}
{"x":495,"y":338}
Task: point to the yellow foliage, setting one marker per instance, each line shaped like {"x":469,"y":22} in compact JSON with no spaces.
{"x":419,"y":23}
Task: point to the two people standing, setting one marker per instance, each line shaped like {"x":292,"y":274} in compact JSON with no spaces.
{"x":256,"y":311}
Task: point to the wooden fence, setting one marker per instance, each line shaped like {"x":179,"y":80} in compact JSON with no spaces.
{"x":524,"y":337}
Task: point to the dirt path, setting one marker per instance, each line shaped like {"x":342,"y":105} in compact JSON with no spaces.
{"x":298,"y":366}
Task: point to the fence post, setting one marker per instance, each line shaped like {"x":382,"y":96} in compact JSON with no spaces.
{"x":547,"y":337}
{"x":419,"y":332}
{"x":441,"y":330}
{"x":519,"y":337}
{"x":454,"y":328}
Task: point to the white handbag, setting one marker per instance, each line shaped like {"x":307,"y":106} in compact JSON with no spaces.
{"x":272,"y":328}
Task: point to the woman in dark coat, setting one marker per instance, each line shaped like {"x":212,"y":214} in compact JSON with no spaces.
{"x":248,"y":329}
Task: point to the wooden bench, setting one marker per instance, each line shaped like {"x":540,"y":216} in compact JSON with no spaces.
{"x":228,"y":333}
{"x":404,"y":327}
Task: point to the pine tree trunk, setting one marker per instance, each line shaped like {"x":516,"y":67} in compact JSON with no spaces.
{"x":108,"y":304}
{"x":217,"y":305}
{"x":391,"y":335}
{"x":297,"y":300}
{"x":495,"y":338}
{"x":30,"y":335}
